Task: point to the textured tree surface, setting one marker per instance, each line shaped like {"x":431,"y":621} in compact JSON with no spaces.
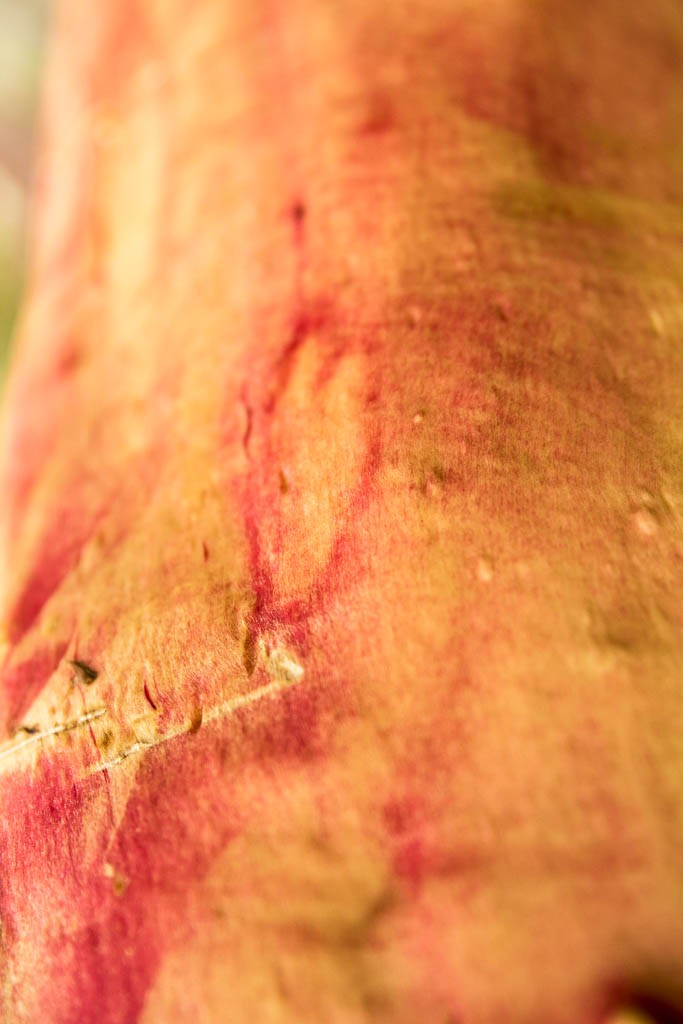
{"x":342,"y":513}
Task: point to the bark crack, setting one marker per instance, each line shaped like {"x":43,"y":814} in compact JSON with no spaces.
{"x":55,"y":730}
{"x":224,"y":710}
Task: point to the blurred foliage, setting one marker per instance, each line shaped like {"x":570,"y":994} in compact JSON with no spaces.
{"x":22,"y":32}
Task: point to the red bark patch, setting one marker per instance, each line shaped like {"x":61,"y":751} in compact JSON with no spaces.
{"x":99,"y":910}
{"x":20,"y":684}
{"x":410,"y":862}
{"x":57,"y":556}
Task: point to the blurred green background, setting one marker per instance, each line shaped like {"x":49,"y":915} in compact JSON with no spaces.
{"x":22,"y":36}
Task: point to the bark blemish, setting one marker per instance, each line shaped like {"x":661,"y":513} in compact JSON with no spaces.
{"x":83,"y":673}
{"x":148,"y":697}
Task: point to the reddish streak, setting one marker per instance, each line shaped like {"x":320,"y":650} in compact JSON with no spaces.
{"x":260,"y":504}
{"x":72,"y":524}
{"x":308,"y":321}
{"x":20,"y":684}
{"x":148,"y":698}
{"x":341,"y":565}
{"x":117,"y":937}
{"x":410,"y":862}
{"x":298,"y":215}
{"x":58,"y":555}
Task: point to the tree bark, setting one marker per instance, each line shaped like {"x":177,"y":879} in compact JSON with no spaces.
{"x":343,"y":518}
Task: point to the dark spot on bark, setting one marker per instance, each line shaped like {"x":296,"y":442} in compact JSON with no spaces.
{"x":106,"y":739}
{"x":84,"y":673}
{"x":148,"y":697}
{"x":69,"y":360}
{"x":30,"y":730}
{"x":249,"y":652}
{"x":298,"y":213}
{"x":249,"y":423}
{"x":655,"y":993}
{"x":120,"y":886}
{"x":380,"y":117}
{"x":658,"y":1009}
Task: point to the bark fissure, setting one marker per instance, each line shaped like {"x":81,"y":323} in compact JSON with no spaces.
{"x":223,"y":710}
{"x":289,"y":679}
{"x":55,"y":730}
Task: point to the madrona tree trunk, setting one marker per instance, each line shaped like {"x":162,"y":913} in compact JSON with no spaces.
{"x":342,"y":512}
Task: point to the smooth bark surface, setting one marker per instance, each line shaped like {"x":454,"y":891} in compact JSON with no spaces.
{"x":344,"y":443}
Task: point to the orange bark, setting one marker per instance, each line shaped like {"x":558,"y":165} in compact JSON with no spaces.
{"x":343,"y":519}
